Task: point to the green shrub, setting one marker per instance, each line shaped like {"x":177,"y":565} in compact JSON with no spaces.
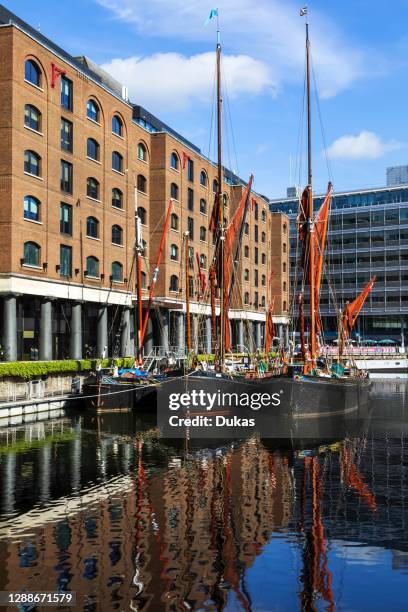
{"x":31,"y":369}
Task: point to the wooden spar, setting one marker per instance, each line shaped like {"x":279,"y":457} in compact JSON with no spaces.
{"x":220,"y":204}
{"x":303,"y":349}
{"x":310,"y":220}
{"x":321,"y":225}
{"x":156,"y":271}
{"x":213,"y":307}
{"x":138,"y":256}
{"x":188,"y":329}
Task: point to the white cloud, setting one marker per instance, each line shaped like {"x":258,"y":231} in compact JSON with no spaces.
{"x":366,"y":145}
{"x":269,"y":31}
{"x":171,"y":81}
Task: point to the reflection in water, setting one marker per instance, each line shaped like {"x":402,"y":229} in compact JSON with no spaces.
{"x":100,"y":506}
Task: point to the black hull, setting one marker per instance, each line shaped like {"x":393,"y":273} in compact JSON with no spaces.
{"x":122,"y":396}
{"x":308,"y":408}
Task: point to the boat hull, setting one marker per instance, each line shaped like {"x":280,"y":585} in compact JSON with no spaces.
{"x":121,"y":396}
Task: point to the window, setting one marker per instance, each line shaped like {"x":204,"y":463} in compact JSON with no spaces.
{"x":203,"y":206}
{"x":174,"y":252}
{"x":143,"y":280}
{"x":31,"y":254}
{"x":284,"y":305}
{"x":263,"y":259}
{"x":284,"y":285}
{"x":174,"y":191}
{"x":174,"y":283}
{"x":215,"y":186}
{"x":203,"y":178}
{"x":284,"y":266}
{"x":256,"y":233}
{"x":32,"y":117}
{"x":32,"y":163}
{"x":246,"y":229}
{"x":141,"y":152}
{"x":67,"y":131}
{"x":141,"y":183}
{"x":174,"y":221}
{"x":263,"y":237}
{"x":246,"y":251}
{"x":285,"y":228}
{"x":92,"y":227}
{"x":246,"y":274}
{"x":203,"y":261}
{"x":256,"y":211}
{"x":117,"y":161}
{"x":190,"y":257}
{"x":203,"y":233}
{"x":256,"y":255}
{"x":256,"y":280}
{"x":263,"y":280}
{"x":256,"y":304}
{"x":31,"y":208}
{"x":92,"y":188}
{"x":92,"y":266}
{"x":246,"y":297}
{"x":117,"y":272}
{"x":117,"y":198}
{"x":117,"y":234}
{"x":66,"y":93}
{"x":92,"y":110}
{"x":263,"y":302}
{"x":92,"y":149}
{"x":190,"y":169}
{"x":142,"y":214}
{"x":284,"y":247}
{"x":65,"y":219}
{"x":117,"y":125}
{"x":65,"y":260}
{"x":174,"y":161}
{"x":66,"y":176}
{"x":191,"y":285}
{"x":144,"y":248}
{"x":32,"y":73}
{"x":190,"y":199}
{"x":190,"y":227}
{"x":263,"y":215}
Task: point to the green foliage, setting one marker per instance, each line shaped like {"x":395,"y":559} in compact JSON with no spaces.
{"x":32,"y":369}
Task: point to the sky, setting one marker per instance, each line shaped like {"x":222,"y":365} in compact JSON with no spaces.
{"x":162,"y":52}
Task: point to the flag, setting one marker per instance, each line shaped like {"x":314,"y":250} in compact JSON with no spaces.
{"x":303,"y":11}
{"x":213,"y":13}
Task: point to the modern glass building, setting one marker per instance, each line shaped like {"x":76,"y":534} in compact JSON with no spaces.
{"x":368,"y":235}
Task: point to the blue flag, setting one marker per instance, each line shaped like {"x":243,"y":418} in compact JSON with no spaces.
{"x":213,"y":13}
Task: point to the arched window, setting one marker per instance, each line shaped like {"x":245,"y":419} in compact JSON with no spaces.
{"x":263,"y":215}
{"x":31,"y":254}
{"x":246,"y":229}
{"x":92,"y":188}
{"x":143,"y":280}
{"x":117,"y":234}
{"x":117,"y":272}
{"x":32,"y":117}
{"x":92,"y":227}
{"x":284,"y":305}
{"x":92,"y":149}
{"x":263,"y":280}
{"x":32,"y":163}
{"x":92,"y":110}
{"x":284,"y":247}
{"x":284,"y":285}
{"x":92,"y":266}
{"x":32,"y":73}
{"x":31,"y":208}
{"x":284,"y":266}
{"x":203,"y":233}
{"x":203,"y":206}
{"x":141,"y":183}
{"x":215,"y":186}
{"x":174,"y":252}
{"x":246,"y":274}
{"x":117,"y":161}
{"x":174,"y":191}
{"x":117,"y":198}
{"x":174,"y":283}
{"x":285,"y":228}
{"x":263,"y":258}
{"x":256,"y":211}
{"x":203,"y":261}
{"x":263,"y":237}
{"x":246,"y":251}
{"x":142,"y":214}
{"x":203,"y":178}
{"x":174,"y":161}
{"x":246,"y":297}
{"x":263,"y":301}
{"x":174,"y":221}
{"x":141,"y":152}
{"x":117,"y":125}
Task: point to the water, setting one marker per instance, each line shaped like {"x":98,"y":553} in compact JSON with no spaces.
{"x":101,"y":507}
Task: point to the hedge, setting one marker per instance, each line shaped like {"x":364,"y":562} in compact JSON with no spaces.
{"x":31,"y":369}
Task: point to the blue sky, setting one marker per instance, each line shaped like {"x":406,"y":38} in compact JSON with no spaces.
{"x":162,"y":52}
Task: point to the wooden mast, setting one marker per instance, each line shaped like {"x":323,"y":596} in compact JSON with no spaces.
{"x":139,"y":312}
{"x":310,"y":221}
{"x":188,"y":329}
{"x":220,"y":203}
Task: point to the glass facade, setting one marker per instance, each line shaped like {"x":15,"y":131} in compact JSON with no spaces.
{"x":368,"y":236}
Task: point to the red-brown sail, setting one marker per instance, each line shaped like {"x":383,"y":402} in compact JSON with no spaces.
{"x":351,"y":312}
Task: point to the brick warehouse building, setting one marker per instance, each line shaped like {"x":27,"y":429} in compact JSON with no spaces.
{"x":72,"y":149}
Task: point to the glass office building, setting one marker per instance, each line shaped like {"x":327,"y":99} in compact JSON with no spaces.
{"x":368,"y":235}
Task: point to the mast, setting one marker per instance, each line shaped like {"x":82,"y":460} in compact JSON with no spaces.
{"x":310,"y":222}
{"x":220,"y":202}
{"x":188,"y":330}
{"x":139,"y":312}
